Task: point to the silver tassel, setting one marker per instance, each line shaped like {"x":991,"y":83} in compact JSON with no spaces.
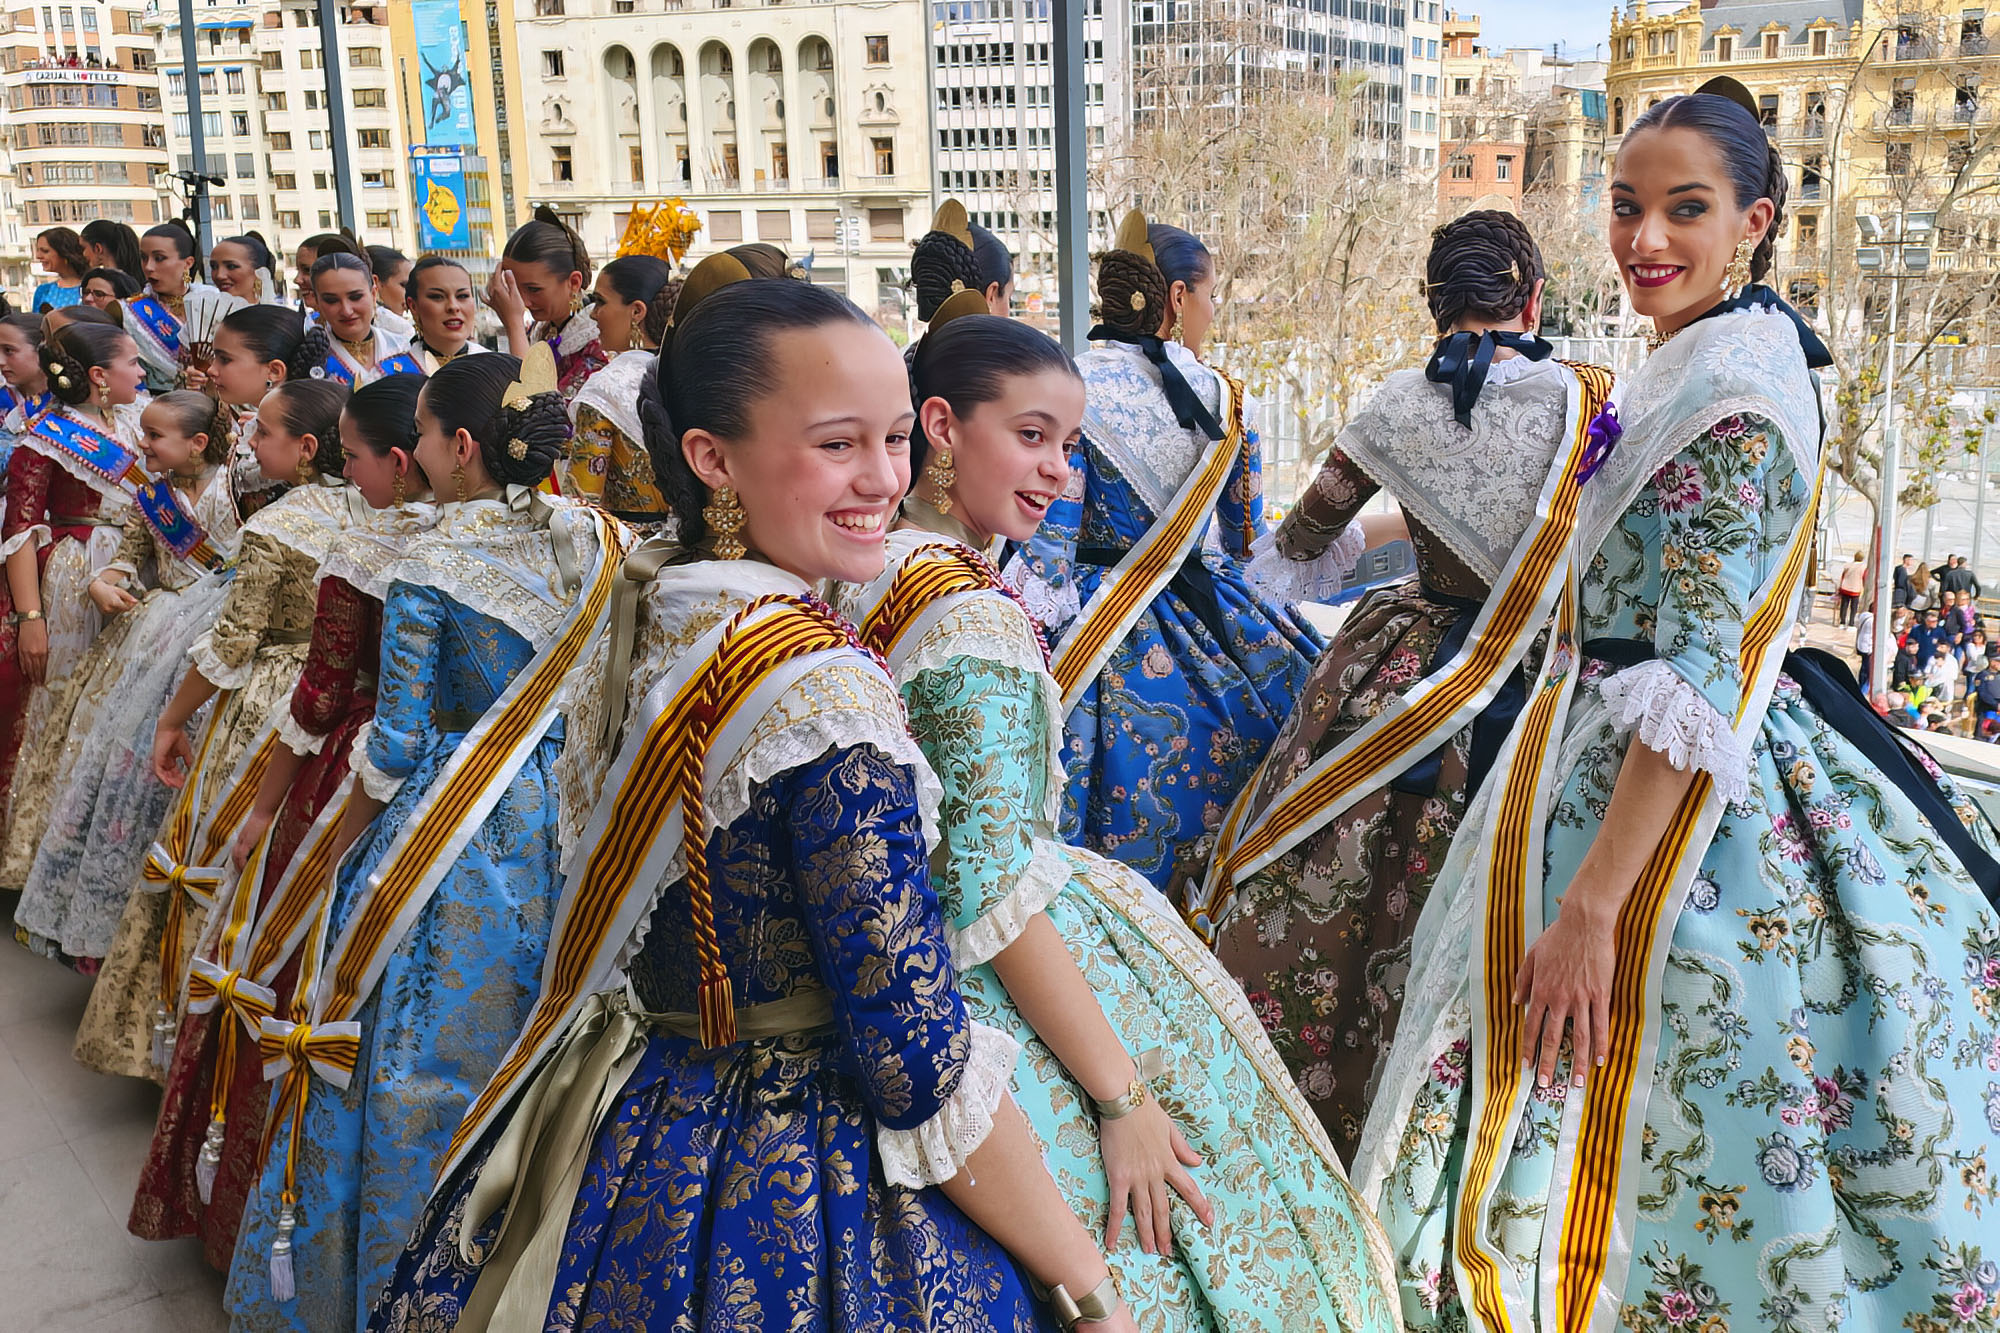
{"x":210,"y":1161}
{"x":282,"y":1288}
{"x":163,"y":1029}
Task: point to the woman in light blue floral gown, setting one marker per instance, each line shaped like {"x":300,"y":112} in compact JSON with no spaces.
{"x":1762,"y":921}
{"x":471,"y":607}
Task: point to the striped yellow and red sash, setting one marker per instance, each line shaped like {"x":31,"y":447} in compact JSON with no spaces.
{"x":689,"y":728}
{"x":181,"y":864}
{"x":1130,"y":587}
{"x":929,"y":575}
{"x":1579,"y":1291}
{"x":1438,"y":706}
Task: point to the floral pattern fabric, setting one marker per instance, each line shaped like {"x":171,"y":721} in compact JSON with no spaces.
{"x":1823,"y":1110}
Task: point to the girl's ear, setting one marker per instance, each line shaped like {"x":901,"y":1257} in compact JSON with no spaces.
{"x":937,"y":420}
{"x":705,"y":458}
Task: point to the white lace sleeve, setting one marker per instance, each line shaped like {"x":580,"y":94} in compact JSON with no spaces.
{"x":295,"y":737}
{"x":1672,"y":716}
{"x":1054,"y":607}
{"x":213,"y":669}
{"x":1316,"y":580}
{"x":378,"y":785}
{"x":935,"y":1151}
{"x":36,"y":535}
{"x":1047,"y":871}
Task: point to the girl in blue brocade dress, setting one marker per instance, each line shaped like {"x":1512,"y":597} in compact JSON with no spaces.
{"x":469,"y":606}
{"x":1159,"y":744}
{"x":829,"y":1165}
{"x":1792,"y":1112}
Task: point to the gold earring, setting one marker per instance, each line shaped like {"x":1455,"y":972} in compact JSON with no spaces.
{"x":458,"y":480}
{"x":304,"y":473}
{"x":941,"y":472}
{"x":1737,"y":276}
{"x":1176,"y":334}
{"x":104,"y":397}
{"x":399,"y":488}
{"x":725,"y":518}
{"x":575,"y":303}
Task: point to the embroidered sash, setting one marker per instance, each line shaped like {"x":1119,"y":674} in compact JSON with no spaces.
{"x":1130,"y":587}
{"x":923,"y":589}
{"x":685,"y":734}
{"x":176,"y":865}
{"x":1603,"y":1122}
{"x":335,"y":367}
{"x":173,"y":525}
{"x":1438,"y":706}
{"x":402,"y":363}
{"x":79,"y":444}
{"x":158,"y":321}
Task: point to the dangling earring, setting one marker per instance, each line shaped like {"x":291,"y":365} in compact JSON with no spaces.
{"x":399,"y":488}
{"x":1176,"y":334}
{"x":941,"y":472}
{"x":1737,"y":276}
{"x":725,"y":518}
{"x":104,"y":397}
{"x":269,"y":384}
{"x":575,"y":304}
{"x":304,"y":471}
{"x":458,"y":480}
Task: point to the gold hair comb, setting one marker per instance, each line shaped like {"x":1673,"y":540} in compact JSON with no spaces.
{"x":708,"y":277}
{"x":952,"y":220}
{"x":538,"y":375}
{"x":958,"y":303}
{"x":1132,"y":240}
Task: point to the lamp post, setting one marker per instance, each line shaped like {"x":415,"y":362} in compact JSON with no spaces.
{"x":1905,"y":249}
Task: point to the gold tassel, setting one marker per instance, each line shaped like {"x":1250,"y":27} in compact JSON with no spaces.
{"x":715,"y":1003}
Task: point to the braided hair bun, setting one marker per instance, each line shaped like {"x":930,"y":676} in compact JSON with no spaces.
{"x":1131,"y":292}
{"x":1483,"y":266}
{"x":315,"y":345}
{"x":519,"y":446}
{"x":940,"y":266}
{"x":71,"y":352}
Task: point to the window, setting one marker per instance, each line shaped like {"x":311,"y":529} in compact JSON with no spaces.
{"x":382,"y":221}
{"x":312,"y":99}
{"x":1896,"y":159}
{"x":326,"y":219}
{"x":321,"y":180}
{"x":1767,"y":110}
{"x":371,"y":97}
{"x":274,"y":101}
{"x":885,"y":156}
{"x":1725,"y":48}
{"x":246,"y":208}
{"x":208,"y":83}
{"x":272,"y":60}
{"x":239,"y":124}
{"x":552,"y":64}
{"x":548,"y":9}
{"x":246,"y":166}
{"x":287,"y":218}
{"x":1808,"y":229}
{"x":1770,"y":46}
{"x":1819,"y":41}
{"x":364,"y":57}
{"x":281,"y":142}
{"x":372,"y":138}
{"x":1503,"y":168}
{"x":284,"y":180}
{"x":233,"y":80}
{"x":308,"y":58}
{"x":725,"y":225}
{"x":822,"y":224}
{"x":878,"y":50}
{"x":885,"y":224}
{"x":561,"y":166}
{"x":774,"y":224}
{"x":1461,"y":87}
{"x":218,"y":208}
{"x":1461,"y":167}
{"x":378,"y":180}
{"x":1617,"y":115}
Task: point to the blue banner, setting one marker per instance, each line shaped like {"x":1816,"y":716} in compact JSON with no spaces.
{"x":439,"y":181}
{"x":447,"y":83}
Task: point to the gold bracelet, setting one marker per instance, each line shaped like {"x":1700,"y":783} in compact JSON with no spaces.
{"x":1097,"y":1304}
{"x":1149,"y":1065}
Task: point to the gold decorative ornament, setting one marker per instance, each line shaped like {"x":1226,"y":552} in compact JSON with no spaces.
{"x":967,"y":302}
{"x":575,"y":304}
{"x":104,"y":397}
{"x":1176,"y":334}
{"x":952,"y":219}
{"x":62,"y":380}
{"x":708,"y":277}
{"x":957,"y":285}
{"x":664,"y":230}
{"x":358,"y":348}
{"x":458,"y":480}
{"x":538,"y":375}
{"x":725,"y":519}
{"x":1737,"y":276}
{"x":517,"y":448}
{"x":1131,"y":237}
{"x":942,"y":473}
{"x":1138,"y":300}
{"x":399,"y":488}
{"x":303,"y":473}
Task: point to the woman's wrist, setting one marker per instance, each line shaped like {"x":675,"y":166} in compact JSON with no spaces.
{"x":1111,"y":1081}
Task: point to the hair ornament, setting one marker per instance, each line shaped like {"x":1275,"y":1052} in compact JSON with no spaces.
{"x":964,"y":301}
{"x":538,"y":375}
{"x":953,"y":221}
{"x":708,"y":277}
{"x":957,"y":286}
{"x":517,"y":448}
{"x":1138,"y":300}
{"x":799,"y":271}
{"x":1131,"y":238}
{"x":1731,"y":90}
{"x":1514,"y":271}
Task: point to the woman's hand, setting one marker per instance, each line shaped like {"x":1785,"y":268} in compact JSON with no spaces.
{"x":194,"y":376}
{"x":1566,"y":979}
{"x":504,"y":295}
{"x":248,"y":836}
{"x":1144,"y":1157}
{"x":173,"y":757}
{"x":31,"y":645}
{"x":109,"y":598}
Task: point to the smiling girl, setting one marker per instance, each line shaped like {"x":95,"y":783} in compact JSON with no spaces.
{"x":542,"y":277}
{"x":154,"y":319}
{"x":347,"y":344}
{"x":244,"y":266}
{"x":444,"y":310}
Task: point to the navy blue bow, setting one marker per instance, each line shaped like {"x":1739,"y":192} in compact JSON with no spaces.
{"x":1463,"y":358}
{"x":1186,"y":403}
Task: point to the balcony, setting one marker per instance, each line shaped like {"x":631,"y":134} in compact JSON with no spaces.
{"x":1752,"y":54}
{"x":1914,"y":48}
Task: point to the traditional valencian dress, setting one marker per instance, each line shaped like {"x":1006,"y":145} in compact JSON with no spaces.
{"x":745,"y":1143}
{"x":392,"y":357}
{"x":207,"y":1146}
{"x":579,"y":354}
{"x":1797,"y":1119}
{"x":16,"y":414}
{"x":155,"y":323}
{"x":109,"y":804}
{"x":434,"y":934}
{"x":1319,"y":934}
{"x":253,"y":649}
{"x":70,"y":488}
{"x":1291,"y":1245}
{"x":608,"y":464}
{"x":1175,"y":675}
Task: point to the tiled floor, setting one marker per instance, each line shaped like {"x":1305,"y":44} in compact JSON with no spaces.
{"x":71,"y":1143}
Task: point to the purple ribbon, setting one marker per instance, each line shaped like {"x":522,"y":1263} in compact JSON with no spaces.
{"x":1604,"y":432}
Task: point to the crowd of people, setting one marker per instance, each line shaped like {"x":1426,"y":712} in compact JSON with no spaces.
{"x":700,"y":818}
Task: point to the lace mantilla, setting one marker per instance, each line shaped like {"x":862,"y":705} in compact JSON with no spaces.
{"x":935,"y":1151}
{"x":378,"y":785}
{"x":613,"y":393}
{"x":1676,"y":719}
{"x":1319,"y":579}
{"x":1127,"y":417}
{"x":1047,"y":872}
{"x":500,"y":561}
{"x":310,"y":519}
{"x":363,"y":554}
{"x":1054,"y":607}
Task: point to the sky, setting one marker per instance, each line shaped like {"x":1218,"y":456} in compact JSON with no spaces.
{"x":1581,"y":26}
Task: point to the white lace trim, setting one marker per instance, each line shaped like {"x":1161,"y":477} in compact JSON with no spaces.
{"x":379,"y":786}
{"x":1054,"y":607}
{"x":216,"y":671}
{"x":1317,"y":580}
{"x":1047,"y":872}
{"x":1676,"y":719}
{"x":37,"y":535}
{"x":295,"y":737}
{"x":935,"y":1151}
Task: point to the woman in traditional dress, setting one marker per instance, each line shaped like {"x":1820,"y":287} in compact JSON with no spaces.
{"x":444,"y":311}
{"x":244,"y":266}
{"x":392,"y":274}
{"x":1320,"y":934}
{"x":1755,"y":914}
{"x":155,"y":319}
{"x":206,"y":1149}
{"x":311,"y":250}
{"x":482,"y":611}
{"x":108,"y":244}
{"x":59,"y":253}
{"x":253,"y":649}
{"x":256,"y":349}
{"x":26,"y":397}
{"x":349,"y":343}
{"x":182,"y":536}
{"x":70,"y":485}
{"x":1177,"y":682}
{"x":1119,"y":1008}
{"x":538,"y":292}
{"x":608,"y":464}
{"x":956,"y":255}
{"x":823,"y":1028}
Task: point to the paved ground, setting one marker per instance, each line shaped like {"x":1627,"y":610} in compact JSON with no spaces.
{"x":71,"y":1144}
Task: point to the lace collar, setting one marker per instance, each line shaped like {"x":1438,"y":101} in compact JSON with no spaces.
{"x":307,"y":519}
{"x":499,"y":557}
{"x":365,"y":552}
{"x":613,"y":393}
{"x":1127,"y":417}
{"x":575,"y":334}
{"x":684,"y":602}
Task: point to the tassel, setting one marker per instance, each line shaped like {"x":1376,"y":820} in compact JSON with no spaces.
{"x":163,"y":1026}
{"x":715,"y":1002}
{"x":282,"y":1288}
{"x":209,"y":1162}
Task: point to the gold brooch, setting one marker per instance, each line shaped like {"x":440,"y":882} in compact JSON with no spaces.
{"x":957,"y":285}
{"x":1138,"y":300}
{"x":517,"y":448}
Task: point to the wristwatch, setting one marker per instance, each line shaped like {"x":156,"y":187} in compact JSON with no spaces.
{"x":23,"y":617}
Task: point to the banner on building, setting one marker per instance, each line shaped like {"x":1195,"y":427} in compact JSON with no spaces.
{"x":447,"y":85}
{"x":439,"y":179}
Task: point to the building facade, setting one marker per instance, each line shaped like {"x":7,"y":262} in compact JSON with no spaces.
{"x":807,"y":126}
{"x":1485,"y":136}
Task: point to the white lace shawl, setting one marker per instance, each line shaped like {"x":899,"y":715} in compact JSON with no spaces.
{"x":613,"y":393}
{"x":498,"y":558}
{"x":364,"y":553}
{"x":1127,"y":416}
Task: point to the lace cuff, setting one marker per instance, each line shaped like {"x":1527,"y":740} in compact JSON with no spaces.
{"x":36,"y":535}
{"x":1048,"y":870}
{"x":378,"y":785}
{"x":1316,"y":580}
{"x":935,"y":1151}
{"x":294,"y":736}
{"x":216,"y":671}
{"x":1676,"y":719}
{"x":1053,"y":607}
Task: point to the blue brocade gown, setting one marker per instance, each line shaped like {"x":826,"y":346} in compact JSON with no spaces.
{"x":1160,"y":744}
{"x":451,"y":999}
